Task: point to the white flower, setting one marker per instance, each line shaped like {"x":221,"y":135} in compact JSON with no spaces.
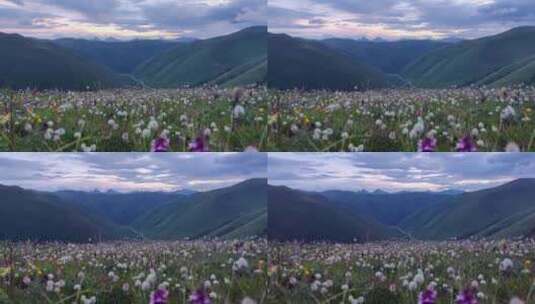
{"x":317,"y":134}
{"x":315,"y":285}
{"x":48,"y":133}
{"x":145,"y":286}
{"x":153,"y":124}
{"x":86,"y":300}
{"x":359,"y":148}
{"x":86,"y":148}
{"x":506,"y":265}
{"x":113,"y":124}
{"x":60,"y":132}
{"x":248,"y":300}
{"x":49,"y":285}
{"x":417,"y":129}
{"x":516,"y":300}
{"x":240,"y":264}
{"x":512,"y":147}
{"x":508,"y":113}
{"x":419,"y":278}
{"x":238,"y":111}
{"x":146,"y":133}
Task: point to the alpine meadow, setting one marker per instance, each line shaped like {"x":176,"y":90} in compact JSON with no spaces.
{"x":133,"y":228}
{"x":267,"y":151}
{"x":401,"y":227}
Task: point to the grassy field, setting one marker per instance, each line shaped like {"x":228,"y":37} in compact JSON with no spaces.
{"x":199,"y":272}
{"x":249,"y":272}
{"x":213,"y":119}
{"x":459,"y":272}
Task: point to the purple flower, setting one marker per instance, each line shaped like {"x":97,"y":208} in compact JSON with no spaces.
{"x":198,"y":145}
{"x":199,"y":297}
{"x":428,"y":144}
{"x":466,"y":144}
{"x":159,"y":296}
{"x":466,"y":297}
{"x":161,"y":144}
{"x":429,"y":296}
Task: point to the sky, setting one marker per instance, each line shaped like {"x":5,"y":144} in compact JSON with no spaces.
{"x":129,"y":19}
{"x":128,"y":172}
{"x":394,"y":172}
{"x":398,"y":19}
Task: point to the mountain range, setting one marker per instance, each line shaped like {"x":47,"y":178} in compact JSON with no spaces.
{"x":237,"y":211}
{"x":308,"y":64}
{"x":254,"y":208}
{"x":75,"y":64}
{"x":505,"y":211}
{"x":343,"y":64}
{"x":40,"y":64}
{"x":253,"y":56}
{"x":239,"y":58}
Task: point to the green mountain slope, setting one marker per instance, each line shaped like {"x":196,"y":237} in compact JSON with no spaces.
{"x":26,"y":214}
{"x":389,"y":56}
{"x":237,"y":58}
{"x":122,"y":57}
{"x":504,"y":211}
{"x":239,"y":210}
{"x":27,"y":62}
{"x":494,"y":60}
{"x":388,"y":209}
{"x":297,"y":215}
{"x":120,"y":208}
{"x":307,"y":64}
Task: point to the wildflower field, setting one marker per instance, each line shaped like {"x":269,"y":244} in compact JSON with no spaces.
{"x":134,"y":120}
{"x":462,"y":272}
{"x":215,"y":119}
{"x":199,"y":272}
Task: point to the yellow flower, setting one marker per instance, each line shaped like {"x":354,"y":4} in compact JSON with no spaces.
{"x":272,"y":269}
{"x":273,"y":118}
{"x":4,"y":271}
{"x":4,"y":119}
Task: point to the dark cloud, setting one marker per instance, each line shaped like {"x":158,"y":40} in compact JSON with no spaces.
{"x":133,"y":18}
{"x":396,"y":18}
{"x":398,"y":171}
{"x":130,"y":171}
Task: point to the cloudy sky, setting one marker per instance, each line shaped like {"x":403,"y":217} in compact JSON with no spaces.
{"x":395,"y":19}
{"x":127,"y":19}
{"x":398,"y":171}
{"x":128,"y":172}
